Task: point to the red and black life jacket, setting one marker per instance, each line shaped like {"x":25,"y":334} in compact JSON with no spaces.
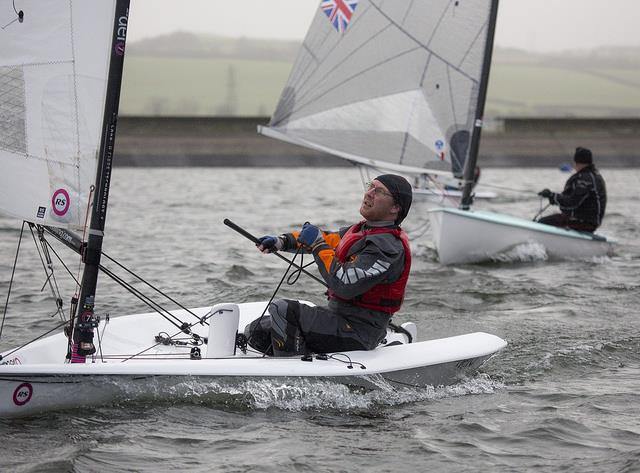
{"x":384,"y":297}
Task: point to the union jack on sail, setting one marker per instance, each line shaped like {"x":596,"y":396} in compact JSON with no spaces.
{"x":339,"y":12}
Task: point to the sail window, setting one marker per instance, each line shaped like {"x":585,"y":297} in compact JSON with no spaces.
{"x":12,"y":110}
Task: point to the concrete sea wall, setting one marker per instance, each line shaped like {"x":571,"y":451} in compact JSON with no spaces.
{"x":233,"y":141}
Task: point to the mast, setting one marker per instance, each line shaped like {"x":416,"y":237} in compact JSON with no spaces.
{"x":470,"y":165}
{"x":84,"y":321}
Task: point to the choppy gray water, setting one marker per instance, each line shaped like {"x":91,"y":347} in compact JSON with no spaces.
{"x":563,"y":396}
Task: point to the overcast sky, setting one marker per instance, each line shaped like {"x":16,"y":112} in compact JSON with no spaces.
{"x":535,"y":25}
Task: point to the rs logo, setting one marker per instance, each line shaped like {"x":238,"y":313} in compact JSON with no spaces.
{"x":22,"y":394}
{"x":60,"y":202}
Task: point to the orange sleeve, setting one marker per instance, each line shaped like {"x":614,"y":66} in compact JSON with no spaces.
{"x":332,"y":239}
{"x":326,"y":255}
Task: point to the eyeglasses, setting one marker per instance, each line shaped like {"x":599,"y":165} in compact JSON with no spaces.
{"x":378,"y":191}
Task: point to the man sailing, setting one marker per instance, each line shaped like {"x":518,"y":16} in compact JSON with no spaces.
{"x":366,"y":267}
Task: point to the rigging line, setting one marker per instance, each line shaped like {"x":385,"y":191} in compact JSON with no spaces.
{"x":49,"y":275}
{"x":165,"y":356}
{"x":62,"y":262}
{"x":149,"y":284}
{"x":293,"y":277}
{"x":440,"y":186}
{"x":191,"y":325}
{"x":511,"y":189}
{"x":542,"y":209}
{"x":176,"y":345}
{"x":171,"y":337}
{"x":19,"y":16}
{"x":45,"y":250}
{"x":100,"y":339}
{"x":264,"y":311}
{"x":419,"y":231}
{"x":13,"y":271}
{"x":252,"y":238}
{"x":10,"y":23}
{"x":349,"y":362}
{"x":35,"y":339}
{"x":112,"y":356}
{"x":144,"y":298}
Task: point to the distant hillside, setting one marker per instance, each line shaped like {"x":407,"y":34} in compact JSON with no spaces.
{"x":191,"y":45}
{"x":182,"y":44}
{"x":187,"y":74}
{"x":600,"y":58}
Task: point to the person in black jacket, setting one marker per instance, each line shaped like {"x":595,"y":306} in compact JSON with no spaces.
{"x":584,"y":198}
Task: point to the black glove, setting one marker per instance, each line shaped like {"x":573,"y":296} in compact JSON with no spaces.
{"x":270,"y":243}
{"x":546,"y":193}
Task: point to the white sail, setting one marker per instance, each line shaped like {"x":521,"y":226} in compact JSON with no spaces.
{"x":53,"y":78}
{"x":394,"y":83}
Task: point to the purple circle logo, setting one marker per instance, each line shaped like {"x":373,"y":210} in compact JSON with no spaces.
{"x":22,"y":394}
{"x":60,"y":202}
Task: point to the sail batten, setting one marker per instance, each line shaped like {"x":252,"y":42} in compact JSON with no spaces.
{"x":399,"y":85}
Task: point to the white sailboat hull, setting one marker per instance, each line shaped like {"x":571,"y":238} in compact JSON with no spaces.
{"x":36,"y":378}
{"x":476,"y":236}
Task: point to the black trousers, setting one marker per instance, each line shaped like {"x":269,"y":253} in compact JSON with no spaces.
{"x":292,"y":328}
{"x":563,"y":220}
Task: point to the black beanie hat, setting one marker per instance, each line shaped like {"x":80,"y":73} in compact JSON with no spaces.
{"x":400,"y":190}
{"x":583,"y":156}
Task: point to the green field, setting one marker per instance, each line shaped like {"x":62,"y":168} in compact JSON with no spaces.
{"x":526,"y":90}
{"x":196,"y":86}
{"x":183,"y":86}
